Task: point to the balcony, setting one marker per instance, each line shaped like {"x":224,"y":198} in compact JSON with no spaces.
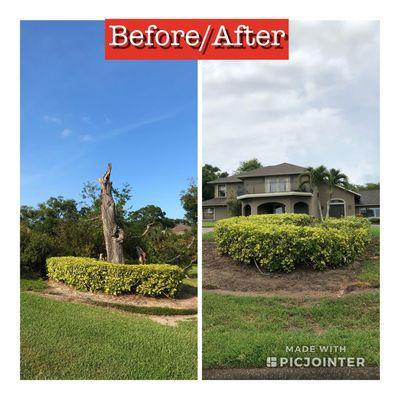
{"x":260,"y":191}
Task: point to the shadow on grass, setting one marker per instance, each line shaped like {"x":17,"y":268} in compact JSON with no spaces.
{"x":30,"y":281}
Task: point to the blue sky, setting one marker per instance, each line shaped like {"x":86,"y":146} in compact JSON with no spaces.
{"x":79,"y":111}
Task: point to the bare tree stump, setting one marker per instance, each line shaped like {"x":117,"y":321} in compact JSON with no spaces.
{"x":113,"y":234}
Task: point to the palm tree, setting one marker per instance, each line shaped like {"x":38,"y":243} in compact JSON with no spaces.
{"x":314,"y":177}
{"x":335,"y":177}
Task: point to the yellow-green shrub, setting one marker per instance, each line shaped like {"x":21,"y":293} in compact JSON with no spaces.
{"x":281,"y":242}
{"x":348,"y":222}
{"x":93,"y":275}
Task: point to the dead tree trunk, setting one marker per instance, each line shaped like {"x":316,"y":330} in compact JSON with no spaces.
{"x":113,"y":234}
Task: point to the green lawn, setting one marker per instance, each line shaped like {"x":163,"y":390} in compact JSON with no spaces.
{"x":375,"y":230}
{"x":370,"y":273}
{"x":208,"y":224}
{"x":28,"y":283}
{"x":208,"y":235}
{"x":243,"y":331}
{"x":61,"y":340}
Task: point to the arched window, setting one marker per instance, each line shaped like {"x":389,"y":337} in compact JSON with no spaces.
{"x":337,"y":208}
{"x":301,"y":208}
{"x":247,"y":210}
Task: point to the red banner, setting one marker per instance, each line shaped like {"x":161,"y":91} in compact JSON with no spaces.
{"x":197,"y":39}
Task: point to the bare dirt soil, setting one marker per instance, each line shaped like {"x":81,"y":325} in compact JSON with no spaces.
{"x":67,"y":292}
{"x":60,"y":291}
{"x":223,"y":275}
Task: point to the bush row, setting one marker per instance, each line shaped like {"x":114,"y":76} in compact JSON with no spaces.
{"x":296,"y":239}
{"x":348,"y":222}
{"x":93,"y":275}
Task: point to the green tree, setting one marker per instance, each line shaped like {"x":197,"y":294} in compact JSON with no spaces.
{"x":189,"y":203}
{"x":150,"y":214}
{"x":248,"y":165}
{"x":367,"y":186}
{"x":210,"y":173}
{"x":312,"y":179}
{"x":335,"y":177}
{"x":35,"y":247}
{"x":163,"y":246}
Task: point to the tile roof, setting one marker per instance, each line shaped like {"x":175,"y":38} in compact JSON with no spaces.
{"x":217,"y":201}
{"x":228,"y":179}
{"x":271,"y":170}
{"x":369,"y":197}
{"x":279,"y":169}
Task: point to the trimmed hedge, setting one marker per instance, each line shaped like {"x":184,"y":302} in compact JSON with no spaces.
{"x":281,"y":242}
{"x":93,"y":275}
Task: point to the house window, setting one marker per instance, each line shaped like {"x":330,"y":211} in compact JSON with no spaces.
{"x":221,"y":190}
{"x":369,"y":212}
{"x":208,"y":213}
{"x":278,"y":184}
{"x":337,"y":208}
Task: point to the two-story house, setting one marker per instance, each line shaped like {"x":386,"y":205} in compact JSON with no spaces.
{"x":275,"y":190}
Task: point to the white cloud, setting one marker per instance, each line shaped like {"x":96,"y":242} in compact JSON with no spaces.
{"x":52,"y":119}
{"x":65,"y":133}
{"x":86,"y":138}
{"x":320,"y":107}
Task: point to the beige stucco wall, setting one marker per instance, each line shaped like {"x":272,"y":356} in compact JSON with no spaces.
{"x":221,"y":212}
{"x":231,"y":189}
{"x":254,"y":185}
{"x":288,"y":201}
{"x":257,"y":185}
{"x":337,"y":193}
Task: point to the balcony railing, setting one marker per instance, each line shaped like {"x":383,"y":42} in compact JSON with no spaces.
{"x":258,"y":190}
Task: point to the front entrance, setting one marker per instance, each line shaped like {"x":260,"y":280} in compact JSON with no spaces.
{"x":271,"y":208}
{"x":301,"y":208}
{"x":247,"y":210}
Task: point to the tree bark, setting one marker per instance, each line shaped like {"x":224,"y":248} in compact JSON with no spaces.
{"x":321,"y":215}
{"x":328,"y":206}
{"x":113,"y":234}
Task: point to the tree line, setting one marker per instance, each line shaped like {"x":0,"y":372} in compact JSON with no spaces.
{"x":67,"y":227}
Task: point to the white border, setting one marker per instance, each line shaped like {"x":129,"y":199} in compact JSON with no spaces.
{"x":390,"y":126}
{"x":199,"y":215}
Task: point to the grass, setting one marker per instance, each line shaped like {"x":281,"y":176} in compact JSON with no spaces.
{"x":370,"y":273}
{"x":61,"y":340}
{"x":375,"y":231}
{"x":208,"y":235}
{"x":144,"y":309}
{"x":243,"y":331}
{"x":30,"y":282}
{"x":189,"y":284}
{"x":208,"y":224}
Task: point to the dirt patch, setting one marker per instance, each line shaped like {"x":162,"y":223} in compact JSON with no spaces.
{"x":170,"y":320}
{"x":60,"y":290}
{"x":343,"y":373}
{"x":226,"y":276}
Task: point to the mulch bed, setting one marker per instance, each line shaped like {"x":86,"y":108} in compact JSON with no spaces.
{"x":222,"y":274}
